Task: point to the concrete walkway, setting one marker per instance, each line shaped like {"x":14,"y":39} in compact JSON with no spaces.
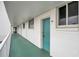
{"x":21,"y":47}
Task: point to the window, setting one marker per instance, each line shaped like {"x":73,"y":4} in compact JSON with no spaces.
{"x":23,"y":25}
{"x":31,"y":23}
{"x":62,"y":15}
{"x":73,"y":13}
{"x":68,"y":14}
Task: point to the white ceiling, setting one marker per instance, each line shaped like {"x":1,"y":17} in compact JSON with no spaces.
{"x":20,"y":11}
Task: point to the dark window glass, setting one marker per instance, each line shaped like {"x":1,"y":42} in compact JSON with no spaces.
{"x":31,"y":23}
{"x":23,"y":25}
{"x":73,"y":13}
{"x":62,"y":15}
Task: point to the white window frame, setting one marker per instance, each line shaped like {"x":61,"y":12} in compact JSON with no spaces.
{"x":66,"y":26}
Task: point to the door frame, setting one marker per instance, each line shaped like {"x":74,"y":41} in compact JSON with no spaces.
{"x":42,"y":32}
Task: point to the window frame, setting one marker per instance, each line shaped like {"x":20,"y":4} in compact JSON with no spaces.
{"x":66,"y":26}
{"x":29,"y":24}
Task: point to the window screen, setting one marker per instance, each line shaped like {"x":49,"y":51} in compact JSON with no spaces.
{"x":73,"y":13}
{"x":62,"y":15}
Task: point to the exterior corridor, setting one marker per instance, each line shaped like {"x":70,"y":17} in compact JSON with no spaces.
{"x":39,"y":28}
{"x":20,"y":47}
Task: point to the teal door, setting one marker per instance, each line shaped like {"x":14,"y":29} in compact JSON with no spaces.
{"x":46,"y":34}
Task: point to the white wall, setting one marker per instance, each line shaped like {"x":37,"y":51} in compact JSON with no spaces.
{"x":5,"y":31}
{"x":27,"y":33}
{"x":63,"y":41}
{"x":19,"y":29}
{"x":23,"y":30}
{"x":4,"y":21}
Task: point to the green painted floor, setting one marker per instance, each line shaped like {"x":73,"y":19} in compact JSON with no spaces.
{"x":20,"y":47}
